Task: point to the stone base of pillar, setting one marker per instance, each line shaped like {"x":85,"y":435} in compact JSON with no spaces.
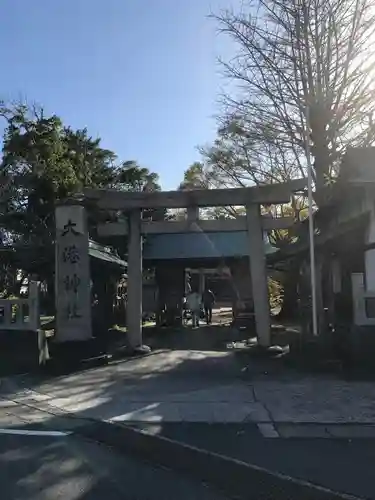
{"x":142,"y":349}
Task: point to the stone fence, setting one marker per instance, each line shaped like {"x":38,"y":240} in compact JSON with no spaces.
{"x":21,"y":314}
{"x":23,"y":345}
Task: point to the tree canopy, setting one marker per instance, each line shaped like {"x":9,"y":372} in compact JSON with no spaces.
{"x":300,"y":88}
{"x":43,"y":161}
{"x":300,"y":81}
{"x":302,"y":78}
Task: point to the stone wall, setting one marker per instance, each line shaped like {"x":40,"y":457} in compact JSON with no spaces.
{"x":19,"y":351}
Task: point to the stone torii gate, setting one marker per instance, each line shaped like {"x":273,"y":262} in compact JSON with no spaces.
{"x":254,"y":223}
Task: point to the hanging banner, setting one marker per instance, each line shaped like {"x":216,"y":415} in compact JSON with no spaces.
{"x":72,"y":278}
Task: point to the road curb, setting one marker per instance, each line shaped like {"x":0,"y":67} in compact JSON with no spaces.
{"x":238,"y":479}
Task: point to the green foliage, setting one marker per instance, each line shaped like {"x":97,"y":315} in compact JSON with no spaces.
{"x":275,"y":291}
{"x":131,"y":177}
{"x":44,"y":161}
{"x":194,"y":177}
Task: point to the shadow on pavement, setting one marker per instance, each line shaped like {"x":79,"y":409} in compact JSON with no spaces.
{"x":69,"y":468}
{"x":341,"y":465}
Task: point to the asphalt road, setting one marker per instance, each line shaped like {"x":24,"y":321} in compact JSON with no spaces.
{"x":50,"y":468}
{"x":342,"y":465}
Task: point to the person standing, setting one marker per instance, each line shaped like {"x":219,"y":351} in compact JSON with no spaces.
{"x":194,"y":304}
{"x":208,"y":304}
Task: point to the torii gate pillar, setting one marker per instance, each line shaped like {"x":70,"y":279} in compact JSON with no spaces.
{"x":134,"y":302}
{"x":258,"y":271}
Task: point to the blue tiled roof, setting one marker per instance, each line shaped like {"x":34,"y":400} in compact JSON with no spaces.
{"x":198,"y":245}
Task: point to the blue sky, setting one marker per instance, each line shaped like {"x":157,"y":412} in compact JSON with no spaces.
{"x":141,"y":74}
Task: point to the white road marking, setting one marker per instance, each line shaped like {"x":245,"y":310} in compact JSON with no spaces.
{"x":268,"y":430}
{"x":23,"y":432}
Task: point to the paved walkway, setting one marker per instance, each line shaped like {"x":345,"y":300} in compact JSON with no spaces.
{"x":198,"y":386}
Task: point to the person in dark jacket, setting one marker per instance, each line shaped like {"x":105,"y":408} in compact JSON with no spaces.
{"x":208,"y":300}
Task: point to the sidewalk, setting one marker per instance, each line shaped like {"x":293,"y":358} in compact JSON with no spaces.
{"x":306,"y":427}
{"x":206,"y":386}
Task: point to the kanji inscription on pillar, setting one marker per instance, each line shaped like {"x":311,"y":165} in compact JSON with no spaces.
{"x":73,"y":296}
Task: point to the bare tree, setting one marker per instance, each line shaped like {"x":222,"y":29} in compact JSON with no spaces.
{"x":292,"y":58}
{"x":303,"y":73}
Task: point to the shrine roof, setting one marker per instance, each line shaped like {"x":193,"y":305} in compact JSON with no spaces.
{"x":103,"y":253}
{"x":213,"y":245}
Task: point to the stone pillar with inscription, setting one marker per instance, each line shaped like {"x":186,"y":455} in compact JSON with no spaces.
{"x":72,"y":274}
